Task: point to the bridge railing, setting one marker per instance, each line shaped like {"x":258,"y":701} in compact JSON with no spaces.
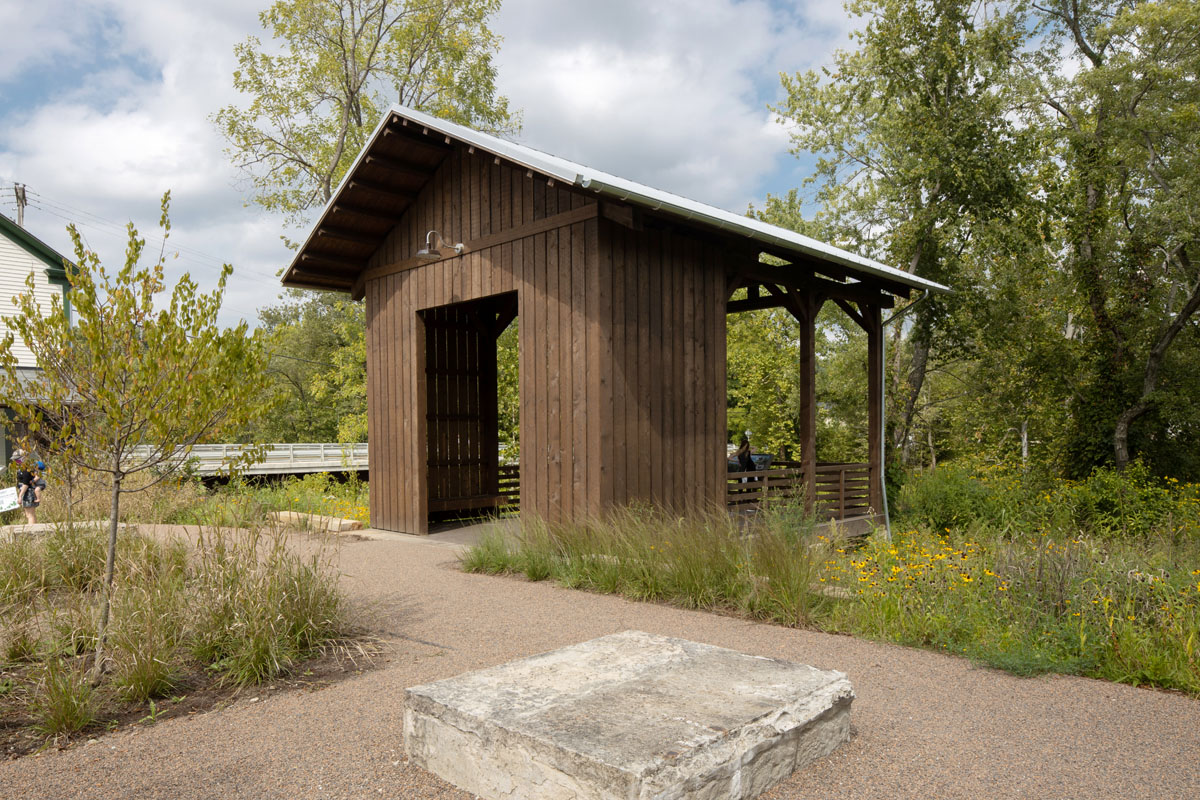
{"x":280,"y":458}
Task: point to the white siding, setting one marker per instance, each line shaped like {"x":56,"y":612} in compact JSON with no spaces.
{"x":15,"y":265}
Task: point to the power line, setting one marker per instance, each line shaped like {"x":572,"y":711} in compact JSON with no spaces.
{"x":74,"y":214}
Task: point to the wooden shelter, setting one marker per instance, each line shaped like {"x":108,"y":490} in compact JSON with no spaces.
{"x":622,"y":293}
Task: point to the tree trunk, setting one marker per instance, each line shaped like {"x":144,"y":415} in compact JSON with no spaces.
{"x":916,"y":381}
{"x":1025,"y":443}
{"x":109,"y":563}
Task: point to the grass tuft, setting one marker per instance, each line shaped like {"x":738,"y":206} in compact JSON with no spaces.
{"x":63,"y":700}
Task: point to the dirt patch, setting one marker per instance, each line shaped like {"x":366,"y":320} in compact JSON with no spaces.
{"x":197,"y":692}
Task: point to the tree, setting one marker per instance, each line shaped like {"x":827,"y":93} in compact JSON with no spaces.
{"x":1128,"y":135}
{"x":320,"y":88}
{"x":916,"y":149}
{"x":344,"y":385}
{"x":129,"y":386}
{"x":309,"y":333}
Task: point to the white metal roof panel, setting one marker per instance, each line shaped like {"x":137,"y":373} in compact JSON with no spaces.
{"x":648,"y":197}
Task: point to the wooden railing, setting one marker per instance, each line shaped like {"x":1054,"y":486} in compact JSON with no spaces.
{"x":842,"y":490}
{"x":510,"y":484}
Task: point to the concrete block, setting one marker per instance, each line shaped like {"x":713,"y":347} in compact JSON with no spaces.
{"x":633,"y":716}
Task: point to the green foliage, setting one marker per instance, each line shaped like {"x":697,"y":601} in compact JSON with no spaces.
{"x":344,"y":387}
{"x":124,"y":386}
{"x":508,"y":392}
{"x":1129,"y":504}
{"x":320,"y":86}
{"x":1030,"y":603}
{"x":916,"y":152}
{"x":248,"y":503}
{"x":306,"y":334}
{"x":944,"y":499}
{"x":1125,"y":148}
{"x":763,"y":364}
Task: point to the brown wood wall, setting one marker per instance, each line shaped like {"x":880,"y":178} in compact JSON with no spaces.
{"x":668,"y":354}
{"x":622,"y":340}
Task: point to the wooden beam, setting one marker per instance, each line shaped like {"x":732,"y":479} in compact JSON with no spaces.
{"x":581,"y":214}
{"x":756,"y":304}
{"x":506,"y":313}
{"x":312,"y":280}
{"x":382,"y":188}
{"x":851,"y":312}
{"x":336,"y":261}
{"x":400,"y":166}
{"x":381,"y":216}
{"x":622,"y":214}
{"x":347,"y":235}
{"x":855,"y":292}
{"x":805,"y":308}
{"x":424,"y":142}
{"x":835,"y":270}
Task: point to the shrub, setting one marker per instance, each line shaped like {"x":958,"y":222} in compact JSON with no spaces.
{"x":944,"y":499}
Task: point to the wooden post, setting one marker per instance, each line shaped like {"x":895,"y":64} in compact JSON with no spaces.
{"x":805,"y":309}
{"x":874,"y":326}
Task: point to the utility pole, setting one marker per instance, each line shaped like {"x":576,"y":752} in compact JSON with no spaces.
{"x":19,"y":193}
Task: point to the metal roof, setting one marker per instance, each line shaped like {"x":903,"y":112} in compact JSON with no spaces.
{"x":622,"y":189}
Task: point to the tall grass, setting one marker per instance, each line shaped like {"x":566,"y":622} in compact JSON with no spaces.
{"x":241,"y":605}
{"x":251,"y":501}
{"x":62,"y":701}
{"x":259,"y":607}
{"x":764,"y":570}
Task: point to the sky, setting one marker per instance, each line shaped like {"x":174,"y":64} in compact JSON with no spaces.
{"x":106,"y":105}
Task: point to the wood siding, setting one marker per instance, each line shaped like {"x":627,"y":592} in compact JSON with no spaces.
{"x":15,"y":265}
{"x":622,"y":351}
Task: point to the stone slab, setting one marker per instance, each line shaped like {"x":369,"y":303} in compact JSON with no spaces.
{"x":316,"y":522}
{"x":633,"y":716}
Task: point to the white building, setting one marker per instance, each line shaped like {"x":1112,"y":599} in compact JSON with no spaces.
{"x":22,"y":253}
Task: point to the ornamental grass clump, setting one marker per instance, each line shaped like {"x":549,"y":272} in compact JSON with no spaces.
{"x":260,"y":608}
{"x":62,"y":700}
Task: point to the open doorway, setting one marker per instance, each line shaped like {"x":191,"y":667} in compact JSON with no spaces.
{"x":466,"y":476}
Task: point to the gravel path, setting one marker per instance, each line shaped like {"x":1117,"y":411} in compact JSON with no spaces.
{"x":925,"y":725}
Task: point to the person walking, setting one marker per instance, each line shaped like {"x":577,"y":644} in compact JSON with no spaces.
{"x":25,"y":493}
{"x":29,"y":489}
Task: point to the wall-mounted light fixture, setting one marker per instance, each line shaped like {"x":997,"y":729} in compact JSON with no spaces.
{"x":430,"y":252}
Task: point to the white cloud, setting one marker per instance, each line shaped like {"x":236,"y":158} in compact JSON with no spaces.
{"x":671,"y":93}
